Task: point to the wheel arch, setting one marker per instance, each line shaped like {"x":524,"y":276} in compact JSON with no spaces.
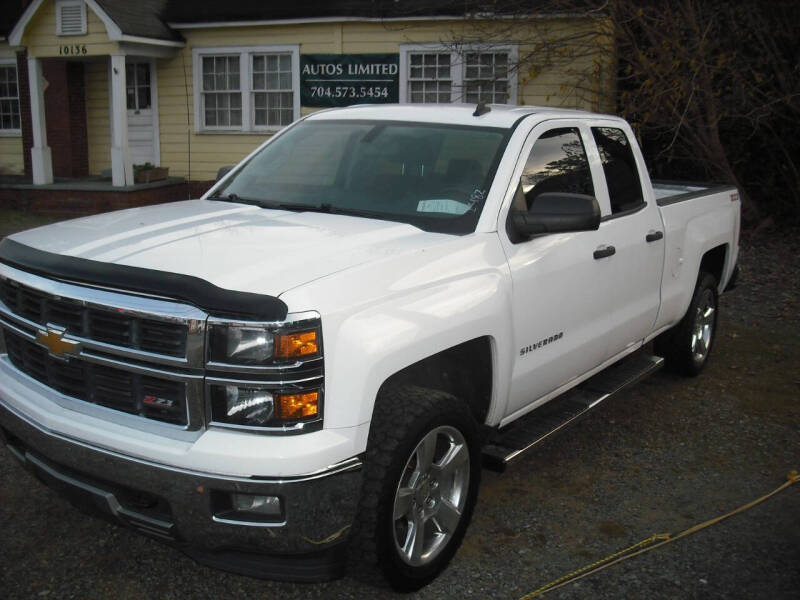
{"x":714,"y":262}
{"x":465,"y":371}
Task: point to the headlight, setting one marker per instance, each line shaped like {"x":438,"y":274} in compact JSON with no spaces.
{"x":260,"y":345}
{"x":241,"y":345}
{"x":252,"y":406}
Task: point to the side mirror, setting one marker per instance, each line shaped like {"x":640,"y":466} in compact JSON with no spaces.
{"x":556,"y":212}
{"x":224,"y":171}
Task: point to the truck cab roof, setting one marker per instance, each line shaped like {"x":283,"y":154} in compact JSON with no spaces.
{"x":500,"y":115}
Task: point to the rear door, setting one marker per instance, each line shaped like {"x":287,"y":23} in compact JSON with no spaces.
{"x":562,"y":295}
{"x":634,"y":229}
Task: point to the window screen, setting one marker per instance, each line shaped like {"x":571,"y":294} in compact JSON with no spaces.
{"x":557,"y":163}
{"x":619,"y":166}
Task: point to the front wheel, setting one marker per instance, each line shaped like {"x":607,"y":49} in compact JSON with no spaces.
{"x":687,"y":346}
{"x":420,"y":485}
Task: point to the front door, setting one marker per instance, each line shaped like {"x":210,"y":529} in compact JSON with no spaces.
{"x":561,"y":294}
{"x":141,"y":132}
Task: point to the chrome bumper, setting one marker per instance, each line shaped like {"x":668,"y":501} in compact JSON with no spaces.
{"x":175,"y":505}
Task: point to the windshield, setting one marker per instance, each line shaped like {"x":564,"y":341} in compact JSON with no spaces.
{"x":433,"y":176}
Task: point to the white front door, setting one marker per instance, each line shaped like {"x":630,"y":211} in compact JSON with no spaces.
{"x":141,"y":130}
{"x":562,"y":294}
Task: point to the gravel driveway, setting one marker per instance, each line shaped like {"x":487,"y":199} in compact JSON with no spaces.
{"x":667,"y":454}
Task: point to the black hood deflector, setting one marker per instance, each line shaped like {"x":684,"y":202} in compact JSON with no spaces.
{"x":185,"y":288}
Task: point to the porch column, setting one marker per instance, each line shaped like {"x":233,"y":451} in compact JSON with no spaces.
{"x":121,"y":165}
{"x":41,"y":157}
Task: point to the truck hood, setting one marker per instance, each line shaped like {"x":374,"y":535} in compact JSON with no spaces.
{"x":233,"y":246}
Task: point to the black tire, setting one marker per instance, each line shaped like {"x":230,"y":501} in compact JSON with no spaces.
{"x":684,"y":352}
{"x":404,"y":416}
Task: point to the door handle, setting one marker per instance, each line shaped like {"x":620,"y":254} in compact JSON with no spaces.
{"x":653,"y":236}
{"x":604,"y":251}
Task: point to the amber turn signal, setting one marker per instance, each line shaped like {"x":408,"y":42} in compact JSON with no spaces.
{"x":297,"y":406}
{"x":296,"y":344}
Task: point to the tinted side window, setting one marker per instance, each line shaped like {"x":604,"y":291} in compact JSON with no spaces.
{"x":557,"y":163}
{"x":622,"y":176}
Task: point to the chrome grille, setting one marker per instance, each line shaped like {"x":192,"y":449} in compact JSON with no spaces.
{"x":109,"y":326}
{"x":114,"y":388}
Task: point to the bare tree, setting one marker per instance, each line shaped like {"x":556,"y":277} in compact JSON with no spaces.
{"x":710,"y":86}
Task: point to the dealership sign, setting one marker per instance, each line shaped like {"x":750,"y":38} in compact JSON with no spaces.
{"x":344,"y":79}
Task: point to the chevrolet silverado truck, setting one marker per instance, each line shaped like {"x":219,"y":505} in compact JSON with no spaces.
{"x":316,"y":359}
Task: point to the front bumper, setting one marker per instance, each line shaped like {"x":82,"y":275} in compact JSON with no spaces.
{"x":175,"y":506}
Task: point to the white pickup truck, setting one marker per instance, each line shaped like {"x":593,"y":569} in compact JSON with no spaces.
{"x":321,"y":353}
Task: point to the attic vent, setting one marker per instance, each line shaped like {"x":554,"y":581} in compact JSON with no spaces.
{"x":71,"y":17}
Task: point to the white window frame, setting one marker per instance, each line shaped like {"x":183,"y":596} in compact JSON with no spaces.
{"x":62,"y":3}
{"x":458,"y":66}
{"x":245,"y":54}
{"x":12,"y":132}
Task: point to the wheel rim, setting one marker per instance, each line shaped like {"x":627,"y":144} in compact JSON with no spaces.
{"x":703,"y":329}
{"x":431,"y":495}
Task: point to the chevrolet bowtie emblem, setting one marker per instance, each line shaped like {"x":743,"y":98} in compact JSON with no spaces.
{"x":53,"y":340}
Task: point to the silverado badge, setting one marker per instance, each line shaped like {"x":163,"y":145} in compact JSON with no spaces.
{"x":53,"y":340}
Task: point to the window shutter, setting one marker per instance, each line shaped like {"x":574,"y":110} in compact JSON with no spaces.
{"x":72,"y":18}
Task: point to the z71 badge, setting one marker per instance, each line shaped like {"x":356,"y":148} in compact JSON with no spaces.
{"x":548,"y":340}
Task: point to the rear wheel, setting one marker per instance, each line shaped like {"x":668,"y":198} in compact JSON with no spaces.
{"x":420,"y":485}
{"x":687,"y":346}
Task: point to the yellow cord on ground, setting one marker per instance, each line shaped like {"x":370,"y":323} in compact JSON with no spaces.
{"x":654,"y":541}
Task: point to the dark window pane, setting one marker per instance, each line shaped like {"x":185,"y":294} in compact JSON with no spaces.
{"x":619,"y":166}
{"x":557,"y":163}
{"x":144,"y":97}
{"x":142,"y":74}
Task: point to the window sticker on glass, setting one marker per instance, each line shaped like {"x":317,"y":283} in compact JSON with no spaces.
{"x":443,"y":205}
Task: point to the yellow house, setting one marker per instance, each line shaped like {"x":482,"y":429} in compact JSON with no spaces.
{"x":89,"y":87}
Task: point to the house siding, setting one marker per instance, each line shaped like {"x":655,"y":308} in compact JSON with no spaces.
{"x":198,"y":156}
{"x":41,"y":40}
{"x":11,"y":161}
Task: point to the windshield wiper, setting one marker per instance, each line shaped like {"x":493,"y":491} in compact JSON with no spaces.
{"x":325,"y":207}
{"x":236,"y":198}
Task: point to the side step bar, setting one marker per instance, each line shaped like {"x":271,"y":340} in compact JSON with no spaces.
{"x":556,"y":415}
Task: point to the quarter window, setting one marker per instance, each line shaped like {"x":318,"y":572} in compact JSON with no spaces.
{"x":619,"y":166}
{"x":9,"y":99}
{"x":557,"y":163}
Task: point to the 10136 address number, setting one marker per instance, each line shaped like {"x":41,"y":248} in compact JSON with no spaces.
{"x":72,"y":50}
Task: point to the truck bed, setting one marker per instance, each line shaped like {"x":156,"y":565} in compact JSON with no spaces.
{"x":670,"y":192}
